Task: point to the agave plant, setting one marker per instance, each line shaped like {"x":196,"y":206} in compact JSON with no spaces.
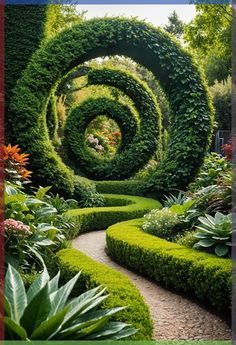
{"x":215,"y":233}
{"x":175,"y":200}
{"x":45,"y":312}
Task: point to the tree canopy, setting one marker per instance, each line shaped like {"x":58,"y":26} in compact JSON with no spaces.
{"x":209,"y":36}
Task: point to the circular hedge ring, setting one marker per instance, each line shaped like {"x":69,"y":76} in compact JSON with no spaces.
{"x":91,"y":164}
{"x":180,"y":78}
{"x":143,"y":132}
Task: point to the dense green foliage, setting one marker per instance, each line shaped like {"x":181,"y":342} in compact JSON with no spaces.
{"x":136,"y":148}
{"x":45,"y":312}
{"x":209,"y":36}
{"x":34,"y":228}
{"x":24,"y":31}
{"x":121,"y":291}
{"x":221,"y":94}
{"x":190,"y":103}
{"x":213,"y":169}
{"x":129,"y":187}
{"x":175,"y":266}
{"x":118,"y":208}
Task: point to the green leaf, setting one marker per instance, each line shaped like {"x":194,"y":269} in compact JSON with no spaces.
{"x":45,"y":212}
{"x":126,"y":332}
{"x":46,"y":227}
{"x":41,"y":192}
{"x":13,"y":330}
{"x":15,"y":293}
{"x":34,"y":202}
{"x":60,"y":297}
{"x":7,"y":307}
{"x":53,"y":284}
{"x":200,"y":235}
{"x":110,"y":330}
{"x":221,"y":249}
{"x":37,"y":285}
{"x":36,"y":311}
{"x":49,"y":327}
{"x":207,"y":242}
{"x":79,"y":304}
{"x":37,"y":255}
{"x":97,"y":326}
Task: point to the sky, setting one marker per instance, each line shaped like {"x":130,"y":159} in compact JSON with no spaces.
{"x":155,"y":14}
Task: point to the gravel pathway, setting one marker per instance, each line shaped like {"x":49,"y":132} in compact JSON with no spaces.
{"x":174,"y":316}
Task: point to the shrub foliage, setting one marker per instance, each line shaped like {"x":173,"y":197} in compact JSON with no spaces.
{"x":192,"y":114}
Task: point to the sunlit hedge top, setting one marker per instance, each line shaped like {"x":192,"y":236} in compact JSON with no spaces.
{"x":192,"y":115}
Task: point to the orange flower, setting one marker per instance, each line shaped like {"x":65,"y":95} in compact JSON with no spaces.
{"x":25,"y":174}
{"x":20,"y":158}
{"x":10,"y":154}
{"x":8,"y":151}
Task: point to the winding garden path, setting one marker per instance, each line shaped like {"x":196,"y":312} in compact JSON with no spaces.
{"x":174,"y":316}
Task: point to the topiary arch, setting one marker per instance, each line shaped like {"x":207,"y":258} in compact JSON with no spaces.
{"x":139,"y":135}
{"x":192,"y":112}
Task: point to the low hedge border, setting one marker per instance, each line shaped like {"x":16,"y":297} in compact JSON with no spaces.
{"x":119,"y":187}
{"x":175,"y":266}
{"x":122,"y":291}
{"x":118,"y":208}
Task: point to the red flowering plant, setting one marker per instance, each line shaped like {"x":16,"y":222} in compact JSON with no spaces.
{"x":14,"y":163}
{"x":229,"y":148}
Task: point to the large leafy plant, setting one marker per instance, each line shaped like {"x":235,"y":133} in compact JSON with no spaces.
{"x":172,"y":199}
{"x":45,"y":311}
{"x":46,"y":226}
{"x":215,"y":234}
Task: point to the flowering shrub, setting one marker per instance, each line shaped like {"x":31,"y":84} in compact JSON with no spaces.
{"x":161,"y":223}
{"x":14,"y":163}
{"x":17,"y":228}
{"x":228,"y":149}
{"x":34,"y":228}
{"x":94,"y":143}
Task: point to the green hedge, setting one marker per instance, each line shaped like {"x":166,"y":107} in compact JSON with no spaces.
{"x":178,"y":74}
{"x":118,"y":208}
{"x":175,"y":266}
{"x":122,"y":291}
{"x":91,"y":164}
{"x":129,"y":187}
{"x":24,"y":30}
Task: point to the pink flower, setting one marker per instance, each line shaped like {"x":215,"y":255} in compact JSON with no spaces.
{"x":12,"y":226}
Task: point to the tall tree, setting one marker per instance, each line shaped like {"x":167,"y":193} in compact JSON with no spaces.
{"x":175,"y":26}
{"x":209,"y":36}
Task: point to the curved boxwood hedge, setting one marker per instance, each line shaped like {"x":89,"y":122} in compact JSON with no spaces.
{"x":129,"y":187}
{"x":187,"y":270}
{"x":118,"y":208}
{"x":122,"y":291}
{"x":180,"y":78}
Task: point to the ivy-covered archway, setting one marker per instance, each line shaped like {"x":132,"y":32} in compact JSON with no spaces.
{"x":180,"y":78}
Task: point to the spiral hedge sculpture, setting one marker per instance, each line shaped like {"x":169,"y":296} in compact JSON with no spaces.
{"x":139,"y":136}
{"x":186,"y":90}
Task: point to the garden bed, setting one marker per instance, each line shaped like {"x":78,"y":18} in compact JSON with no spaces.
{"x":119,"y":208}
{"x":175,"y":266}
{"x":121,"y":291}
